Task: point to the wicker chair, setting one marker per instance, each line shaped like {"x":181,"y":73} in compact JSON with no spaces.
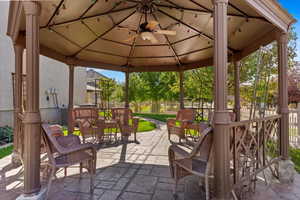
{"x":185,"y":117}
{"x":65,"y":151}
{"x":87,"y":121}
{"x":127,"y":123}
{"x":198,"y":162}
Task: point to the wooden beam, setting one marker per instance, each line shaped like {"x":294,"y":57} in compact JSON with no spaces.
{"x":71,"y":100}
{"x":95,"y":64}
{"x":201,"y":6}
{"x":209,"y":37}
{"x":209,"y":12}
{"x":89,"y":8}
{"x":55,"y":12}
{"x":103,"y":34}
{"x":132,"y":47}
{"x":92,"y":16}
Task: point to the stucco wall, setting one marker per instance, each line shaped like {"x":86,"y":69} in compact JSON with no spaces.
{"x":53,"y":74}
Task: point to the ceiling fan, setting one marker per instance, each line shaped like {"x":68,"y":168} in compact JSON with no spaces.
{"x":148,"y":29}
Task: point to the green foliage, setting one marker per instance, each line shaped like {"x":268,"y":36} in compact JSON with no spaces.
{"x":199,"y":83}
{"x":159,"y":117}
{"x":154,"y":87}
{"x":295,"y":155}
{"x":145,"y":126}
{"x":265,"y":63}
{"x":6,"y":151}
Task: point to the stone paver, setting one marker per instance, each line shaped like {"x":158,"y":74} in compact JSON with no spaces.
{"x":130,"y":172}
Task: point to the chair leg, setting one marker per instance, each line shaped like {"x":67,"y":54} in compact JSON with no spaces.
{"x":207,"y":187}
{"x":135,"y":140}
{"x":92,"y":173}
{"x":176,"y":181}
{"x":80,"y":169}
{"x":65,"y":171}
{"x":53,"y":170}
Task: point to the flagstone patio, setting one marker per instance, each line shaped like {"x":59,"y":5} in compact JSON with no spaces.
{"x":130,"y":172}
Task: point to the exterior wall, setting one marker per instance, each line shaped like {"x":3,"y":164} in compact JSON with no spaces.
{"x":6,"y":68}
{"x":53,"y":74}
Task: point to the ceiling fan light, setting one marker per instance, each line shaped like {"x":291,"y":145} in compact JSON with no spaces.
{"x":146,"y":35}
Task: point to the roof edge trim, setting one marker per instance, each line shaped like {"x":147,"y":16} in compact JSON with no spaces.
{"x":273,"y":12}
{"x":14,"y":19}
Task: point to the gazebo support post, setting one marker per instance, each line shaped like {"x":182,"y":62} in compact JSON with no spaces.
{"x":221,"y":116}
{"x":286,"y":166}
{"x":181,"y":89}
{"x":127,"y":74}
{"x":19,"y":49}
{"x":237,"y":100}
{"x":32,"y":117}
{"x":71,"y":100}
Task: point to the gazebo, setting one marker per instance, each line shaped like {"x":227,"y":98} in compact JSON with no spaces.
{"x":94,"y":33}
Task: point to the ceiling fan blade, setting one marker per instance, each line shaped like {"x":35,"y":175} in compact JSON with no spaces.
{"x":126,"y":28}
{"x":131,"y":38}
{"x":165,"y":32}
{"x":153,"y":39}
{"x":152,"y":25}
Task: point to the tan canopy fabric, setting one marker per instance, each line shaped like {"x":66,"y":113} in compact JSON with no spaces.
{"x":92,"y":33}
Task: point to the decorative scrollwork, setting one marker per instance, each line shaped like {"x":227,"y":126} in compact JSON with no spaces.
{"x":254,"y":147}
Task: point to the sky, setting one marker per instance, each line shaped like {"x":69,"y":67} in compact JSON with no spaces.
{"x":292,"y":6}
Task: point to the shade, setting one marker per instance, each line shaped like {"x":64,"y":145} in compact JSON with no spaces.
{"x":95,"y":33}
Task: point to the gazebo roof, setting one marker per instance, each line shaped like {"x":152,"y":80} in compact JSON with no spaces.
{"x":91,"y":33}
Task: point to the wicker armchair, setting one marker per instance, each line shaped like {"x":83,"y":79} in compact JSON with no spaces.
{"x":185,"y":118}
{"x":197,"y":162}
{"x":87,"y":121}
{"x":127,"y":123}
{"x":65,"y":151}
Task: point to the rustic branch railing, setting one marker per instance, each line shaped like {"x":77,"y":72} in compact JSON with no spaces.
{"x":254,"y":148}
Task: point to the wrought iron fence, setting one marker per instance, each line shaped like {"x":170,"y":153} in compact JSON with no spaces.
{"x":254,"y":147}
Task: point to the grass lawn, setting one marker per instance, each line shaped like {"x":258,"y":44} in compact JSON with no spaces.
{"x":159,"y":117}
{"x":144,"y":126}
{"x":6,"y":151}
{"x":295,"y":155}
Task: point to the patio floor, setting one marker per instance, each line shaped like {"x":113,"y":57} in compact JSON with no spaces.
{"x":131,"y":172}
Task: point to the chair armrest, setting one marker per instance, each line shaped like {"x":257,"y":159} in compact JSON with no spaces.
{"x":171,"y":122}
{"x":178,"y":152}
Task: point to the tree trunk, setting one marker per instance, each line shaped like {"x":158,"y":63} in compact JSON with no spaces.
{"x":155,"y":107}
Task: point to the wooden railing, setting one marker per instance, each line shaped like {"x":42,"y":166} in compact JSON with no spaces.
{"x":254,"y":148}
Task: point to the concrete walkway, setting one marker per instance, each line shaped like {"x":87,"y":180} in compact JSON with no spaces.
{"x":130,"y":172}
